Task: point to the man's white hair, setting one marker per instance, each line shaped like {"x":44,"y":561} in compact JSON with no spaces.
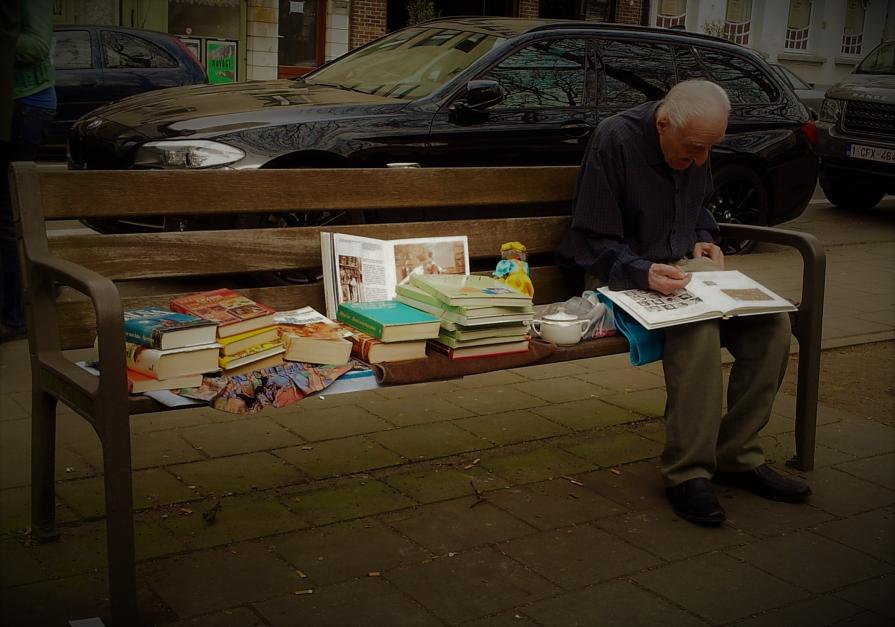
{"x":692,"y":99}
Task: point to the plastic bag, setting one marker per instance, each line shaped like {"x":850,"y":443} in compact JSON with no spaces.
{"x":588,"y":307}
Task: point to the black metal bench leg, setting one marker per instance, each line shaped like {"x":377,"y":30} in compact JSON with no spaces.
{"x":806,"y":407}
{"x":43,"y":465}
{"x":120,"y":522}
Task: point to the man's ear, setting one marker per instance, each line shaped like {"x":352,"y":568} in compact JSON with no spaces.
{"x":662,"y":123}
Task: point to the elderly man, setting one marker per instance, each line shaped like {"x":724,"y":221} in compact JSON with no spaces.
{"x":639,"y":222}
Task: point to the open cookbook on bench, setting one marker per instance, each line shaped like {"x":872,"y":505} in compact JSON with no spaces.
{"x":715,"y":294}
{"x":363,"y":269}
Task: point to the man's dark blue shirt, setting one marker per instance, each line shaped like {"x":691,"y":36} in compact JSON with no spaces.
{"x":631,"y":209}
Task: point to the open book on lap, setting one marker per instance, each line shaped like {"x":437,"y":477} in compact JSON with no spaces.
{"x":715,"y":294}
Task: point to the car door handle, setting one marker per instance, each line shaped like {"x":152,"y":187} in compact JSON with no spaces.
{"x":575,"y":129}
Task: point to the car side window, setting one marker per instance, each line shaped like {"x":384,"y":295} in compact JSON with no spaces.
{"x":634,"y":72}
{"x":744,"y":81}
{"x":71,"y":50}
{"x":687,"y":64}
{"x":545,"y":74}
{"x":123,"y":50}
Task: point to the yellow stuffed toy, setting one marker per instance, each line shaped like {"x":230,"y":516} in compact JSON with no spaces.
{"x":512,"y":269}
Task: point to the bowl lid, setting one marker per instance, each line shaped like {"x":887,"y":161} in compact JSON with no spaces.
{"x":562,"y":316}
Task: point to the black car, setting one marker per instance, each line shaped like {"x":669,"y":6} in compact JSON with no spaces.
{"x":856,"y":133}
{"x":468,"y":92}
{"x":96,"y":65}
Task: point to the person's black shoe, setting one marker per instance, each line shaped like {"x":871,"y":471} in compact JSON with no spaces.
{"x":766,"y":482}
{"x":695,"y":501}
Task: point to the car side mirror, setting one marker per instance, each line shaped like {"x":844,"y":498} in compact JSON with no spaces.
{"x":471,"y":108}
{"x":481,"y":94}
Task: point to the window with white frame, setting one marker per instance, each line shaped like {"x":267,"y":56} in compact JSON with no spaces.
{"x":738,"y":21}
{"x":671,"y":14}
{"x":853,"y":33}
{"x":798,"y":25}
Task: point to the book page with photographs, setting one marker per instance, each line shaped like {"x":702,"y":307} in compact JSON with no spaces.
{"x":732,"y":292}
{"x":708,"y":295}
{"x":362,"y":269}
{"x":654,"y":310}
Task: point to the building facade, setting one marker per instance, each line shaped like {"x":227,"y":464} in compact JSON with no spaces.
{"x":264,"y":39}
{"x":820,"y":40}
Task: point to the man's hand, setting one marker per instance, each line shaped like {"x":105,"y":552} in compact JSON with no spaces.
{"x":713,"y":252}
{"x":667,"y":279}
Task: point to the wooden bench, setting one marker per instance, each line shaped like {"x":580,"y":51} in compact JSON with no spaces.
{"x":481,"y":203}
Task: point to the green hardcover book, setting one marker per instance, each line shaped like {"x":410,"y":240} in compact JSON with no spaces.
{"x":414,"y":296}
{"x":469,"y":290}
{"x":513,"y":329}
{"x":389,"y":320}
{"x":453,"y":342}
{"x":452,"y":320}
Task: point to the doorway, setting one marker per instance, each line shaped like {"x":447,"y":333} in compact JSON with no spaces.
{"x":302,"y":31}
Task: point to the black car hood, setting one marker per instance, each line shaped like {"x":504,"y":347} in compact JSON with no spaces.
{"x":208,"y":110}
{"x":869,"y":87}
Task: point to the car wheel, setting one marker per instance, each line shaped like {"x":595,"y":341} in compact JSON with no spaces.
{"x":740,"y":197}
{"x":850,"y":196}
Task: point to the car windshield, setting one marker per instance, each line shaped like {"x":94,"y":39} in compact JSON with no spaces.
{"x":794,"y":81}
{"x":408,"y":64}
{"x":880,"y":61}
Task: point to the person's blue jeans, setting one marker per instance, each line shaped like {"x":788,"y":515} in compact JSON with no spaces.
{"x":29,"y":126}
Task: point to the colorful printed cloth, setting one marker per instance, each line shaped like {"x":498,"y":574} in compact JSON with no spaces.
{"x":277,"y":386}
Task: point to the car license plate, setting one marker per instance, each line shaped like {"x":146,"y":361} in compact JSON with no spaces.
{"x":873,"y":153}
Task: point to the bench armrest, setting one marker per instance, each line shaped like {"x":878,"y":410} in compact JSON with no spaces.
{"x":46,"y":271}
{"x":807,"y":329}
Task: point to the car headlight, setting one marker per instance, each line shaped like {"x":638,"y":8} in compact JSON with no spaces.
{"x":197,"y":153}
{"x":830,"y":110}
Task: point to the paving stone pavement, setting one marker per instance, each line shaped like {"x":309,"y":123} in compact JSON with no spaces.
{"x":529,"y":497}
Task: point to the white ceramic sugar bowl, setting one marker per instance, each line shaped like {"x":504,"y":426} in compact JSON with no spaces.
{"x":561,"y":328}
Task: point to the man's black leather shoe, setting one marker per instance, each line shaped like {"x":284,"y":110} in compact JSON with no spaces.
{"x":766,"y":482}
{"x":695,"y":501}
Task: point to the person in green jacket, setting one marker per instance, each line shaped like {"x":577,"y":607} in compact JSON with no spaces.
{"x":9,"y":31}
{"x":34,"y":105}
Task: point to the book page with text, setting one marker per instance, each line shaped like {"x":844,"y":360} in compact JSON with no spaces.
{"x":363,"y":268}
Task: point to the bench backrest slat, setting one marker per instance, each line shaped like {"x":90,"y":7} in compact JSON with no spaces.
{"x":190,"y":253}
{"x":106,"y":194}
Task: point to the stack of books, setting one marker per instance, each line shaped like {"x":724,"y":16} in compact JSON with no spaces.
{"x":247,"y":331}
{"x":479,"y":315}
{"x":311,"y":337}
{"x":167,"y":350}
{"x":387,"y":330}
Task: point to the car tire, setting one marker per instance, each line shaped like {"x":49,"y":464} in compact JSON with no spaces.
{"x":740,"y":197}
{"x":851,"y":196}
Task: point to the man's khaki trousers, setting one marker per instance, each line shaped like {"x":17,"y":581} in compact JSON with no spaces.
{"x":700,"y":439}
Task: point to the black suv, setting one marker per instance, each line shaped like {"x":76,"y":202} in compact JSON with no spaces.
{"x":856,"y":133}
{"x":469,"y":92}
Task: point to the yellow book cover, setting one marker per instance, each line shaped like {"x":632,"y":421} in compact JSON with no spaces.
{"x":254,"y":353}
{"x":243,"y":341}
